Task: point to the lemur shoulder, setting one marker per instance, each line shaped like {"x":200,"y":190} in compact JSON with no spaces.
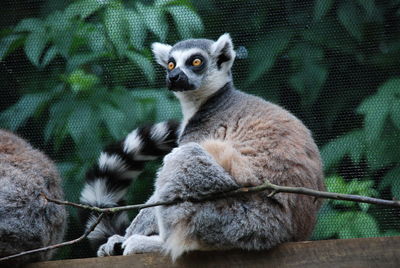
{"x":27,"y":221}
{"x":227,"y":139}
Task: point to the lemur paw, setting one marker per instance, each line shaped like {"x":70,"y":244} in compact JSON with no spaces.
{"x":112,"y":247}
{"x":142,"y":244}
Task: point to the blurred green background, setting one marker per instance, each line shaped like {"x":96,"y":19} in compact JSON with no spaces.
{"x":77,"y":75}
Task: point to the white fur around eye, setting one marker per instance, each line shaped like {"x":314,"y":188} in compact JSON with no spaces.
{"x":181,"y":56}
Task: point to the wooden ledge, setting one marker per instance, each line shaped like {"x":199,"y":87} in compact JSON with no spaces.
{"x":380,"y":252}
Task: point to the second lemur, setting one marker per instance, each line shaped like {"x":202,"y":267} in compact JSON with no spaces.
{"x":227,"y":140}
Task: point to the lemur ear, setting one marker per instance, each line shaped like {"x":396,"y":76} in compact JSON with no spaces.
{"x":222,"y":50}
{"x":161,"y":53}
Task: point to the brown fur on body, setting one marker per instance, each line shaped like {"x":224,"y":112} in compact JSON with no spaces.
{"x":262,"y":141}
{"x":27,"y":221}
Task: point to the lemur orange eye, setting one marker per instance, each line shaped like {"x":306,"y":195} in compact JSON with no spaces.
{"x":171,"y":65}
{"x":196,"y":62}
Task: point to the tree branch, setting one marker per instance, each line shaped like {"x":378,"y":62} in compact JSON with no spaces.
{"x":275,"y":189}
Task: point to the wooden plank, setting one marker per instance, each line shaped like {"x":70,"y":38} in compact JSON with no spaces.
{"x":380,"y":252}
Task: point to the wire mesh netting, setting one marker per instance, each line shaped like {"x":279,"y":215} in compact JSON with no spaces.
{"x":77,"y":75}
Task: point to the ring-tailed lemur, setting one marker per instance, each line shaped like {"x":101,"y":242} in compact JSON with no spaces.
{"x":27,"y":221}
{"x":227,"y":139}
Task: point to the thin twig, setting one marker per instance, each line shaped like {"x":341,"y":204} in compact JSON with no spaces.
{"x":244,"y":190}
{"x":87,"y":232}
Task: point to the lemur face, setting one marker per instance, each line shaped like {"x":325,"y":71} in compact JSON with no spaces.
{"x":196,"y":64}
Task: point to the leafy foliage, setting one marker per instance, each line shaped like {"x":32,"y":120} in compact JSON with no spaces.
{"x":345,"y":219}
{"x":84,"y":90}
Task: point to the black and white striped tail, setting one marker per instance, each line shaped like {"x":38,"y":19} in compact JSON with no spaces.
{"x":120,"y":163}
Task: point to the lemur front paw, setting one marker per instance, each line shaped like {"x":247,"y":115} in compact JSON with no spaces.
{"x":112,"y":247}
{"x":142,"y":244}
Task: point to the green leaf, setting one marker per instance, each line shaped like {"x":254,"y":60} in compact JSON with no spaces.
{"x":392,"y":180}
{"x":369,"y":7}
{"x":80,"y":59}
{"x":136,"y":28}
{"x":390,"y":233}
{"x":350,"y":144}
{"x":114,"y":19}
{"x":187,"y":22}
{"x":377,"y":108}
{"x":161,"y":3}
{"x":97,"y":39}
{"x":61,"y":32}
{"x":35,"y":44}
{"x":350,"y":17}
{"x":356,"y":224}
{"x":50,"y":54}
{"x":8,"y":44}
{"x":65,"y":168}
{"x":27,"y":106}
{"x":160,"y":100}
{"x":264,"y":53}
{"x":321,"y":34}
{"x":308,"y":81}
{"x":83,"y":8}
{"x":81,"y":81}
{"x":144,"y":64}
{"x":395,"y":113}
{"x":321,"y":7}
{"x":80,"y":122}
{"x":335,"y":184}
{"x":365,"y":225}
{"x":114,"y":120}
{"x":154,"y":20}
{"x":29,"y":25}
{"x":326,"y":227}
{"x":58,"y":117}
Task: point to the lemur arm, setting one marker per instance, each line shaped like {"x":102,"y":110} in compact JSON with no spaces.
{"x":190,"y":172}
{"x":145,"y":223}
{"x":119,"y":164}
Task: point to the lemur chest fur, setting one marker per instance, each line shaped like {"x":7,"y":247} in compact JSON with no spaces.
{"x":249,"y":136}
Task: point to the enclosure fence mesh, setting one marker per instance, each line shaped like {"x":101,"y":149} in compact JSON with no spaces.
{"x":78,"y":75}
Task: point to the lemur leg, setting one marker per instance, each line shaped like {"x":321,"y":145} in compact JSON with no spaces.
{"x":188,"y":172}
{"x":112,"y":247}
{"x":144,"y":224}
{"x":142,"y":244}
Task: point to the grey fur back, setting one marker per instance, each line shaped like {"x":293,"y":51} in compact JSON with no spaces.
{"x":27,"y":221}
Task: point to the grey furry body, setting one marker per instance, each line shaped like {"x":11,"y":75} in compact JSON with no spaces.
{"x":248,"y":222}
{"x":27,"y":221}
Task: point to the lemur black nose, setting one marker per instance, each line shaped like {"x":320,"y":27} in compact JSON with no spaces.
{"x":174,"y":74}
{"x":177,"y":80}
{"x":174,"y":77}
